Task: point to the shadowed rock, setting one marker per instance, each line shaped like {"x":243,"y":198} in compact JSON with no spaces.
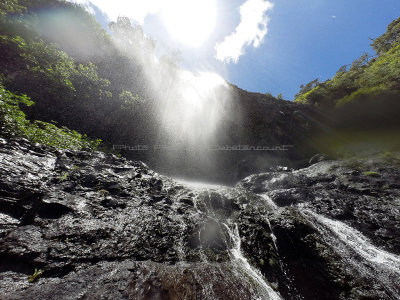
{"x":96,"y":226}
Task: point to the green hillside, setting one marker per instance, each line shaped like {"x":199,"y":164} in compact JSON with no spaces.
{"x":365,"y":79}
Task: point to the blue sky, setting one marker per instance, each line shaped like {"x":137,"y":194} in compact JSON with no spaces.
{"x":309,"y":39}
{"x":299,"y":40}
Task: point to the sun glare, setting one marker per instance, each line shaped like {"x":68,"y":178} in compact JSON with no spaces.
{"x":190,"y":22}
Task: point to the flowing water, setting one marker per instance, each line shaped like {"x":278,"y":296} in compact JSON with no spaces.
{"x":243,"y":266}
{"x":240,"y":264}
{"x":191,"y":108}
{"x":358,"y":251}
{"x":382,"y":268}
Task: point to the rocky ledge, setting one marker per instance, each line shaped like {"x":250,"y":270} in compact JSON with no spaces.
{"x":89,"y":225}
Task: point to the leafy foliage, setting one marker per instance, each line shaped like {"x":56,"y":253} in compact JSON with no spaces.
{"x":13,"y":122}
{"x":81,"y":78}
{"x":10,"y":7}
{"x":304,"y":89}
{"x":35,"y":276}
{"x":365,"y":79}
{"x":386,"y":41}
{"x":132,"y":38}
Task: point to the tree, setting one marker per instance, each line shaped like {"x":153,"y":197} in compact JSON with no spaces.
{"x":308,"y":87}
{"x":10,"y":7}
{"x":360,"y":62}
{"x":342,"y":69}
{"x":132,"y":38}
{"x":387,"y":40}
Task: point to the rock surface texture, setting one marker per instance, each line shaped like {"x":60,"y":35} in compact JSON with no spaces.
{"x":89,"y":225}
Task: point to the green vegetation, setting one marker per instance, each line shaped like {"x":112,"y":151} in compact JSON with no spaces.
{"x":13,"y":122}
{"x":372,"y":174}
{"x":63,"y":177}
{"x":365,"y":79}
{"x":35,"y":276}
{"x":103,"y":192}
{"x":272,"y":263}
{"x":360,"y":104}
{"x":391,"y":157}
{"x":77,"y":75}
{"x":386,"y":41}
{"x":82,"y":80}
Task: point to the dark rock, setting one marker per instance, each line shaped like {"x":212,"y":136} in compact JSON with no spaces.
{"x":112,"y":203}
{"x":99,"y":227}
{"x":187,"y":201}
{"x":157,"y":198}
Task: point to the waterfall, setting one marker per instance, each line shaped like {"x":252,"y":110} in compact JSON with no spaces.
{"x":270,"y":203}
{"x":265,"y":291}
{"x":240,"y":264}
{"x":358,"y":251}
{"x":190,"y":108}
{"x":199,"y":186}
{"x":289,"y":279}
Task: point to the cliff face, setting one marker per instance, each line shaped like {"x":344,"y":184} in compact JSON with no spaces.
{"x":248,"y":122}
{"x":96,"y":226}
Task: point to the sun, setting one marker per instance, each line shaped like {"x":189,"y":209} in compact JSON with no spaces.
{"x":190,"y":22}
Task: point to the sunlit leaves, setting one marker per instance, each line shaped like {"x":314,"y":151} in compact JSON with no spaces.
{"x":14,"y":122}
{"x":366,"y":79}
{"x":10,"y":7}
{"x":132,"y":39}
{"x":389,"y":39}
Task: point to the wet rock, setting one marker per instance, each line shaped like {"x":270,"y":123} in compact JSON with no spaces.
{"x":70,"y":214}
{"x":187,"y":201}
{"x":112,"y":203}
{"x":99,"y":227}
{"x":309,"y":251}
{"x":343,"y":191}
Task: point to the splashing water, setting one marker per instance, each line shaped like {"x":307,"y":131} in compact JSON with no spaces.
{"x":269,"y":202}
{"x":266,"y":292}
{"x":192,"y":107}
{"x":358,"y":251}
{"x":200,"y":186}
{"x":239,"y":263}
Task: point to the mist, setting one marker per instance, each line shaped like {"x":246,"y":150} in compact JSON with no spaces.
{"x":189,"y":107}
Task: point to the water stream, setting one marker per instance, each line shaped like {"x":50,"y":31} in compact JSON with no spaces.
{"x":355,"y":250}
{"x":239,"y":262}
{"x":264,"y":289}
{"x":358,"y":251}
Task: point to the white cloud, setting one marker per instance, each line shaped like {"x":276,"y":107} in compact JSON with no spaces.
{"x":250,"y":31}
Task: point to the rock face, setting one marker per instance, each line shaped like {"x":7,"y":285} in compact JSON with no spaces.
{"x":280,"y":131}
{"x":337,"y":225}
{"x":89,"y":225}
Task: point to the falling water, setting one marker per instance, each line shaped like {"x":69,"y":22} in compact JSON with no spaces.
{"x":191,"y":108}
{"x":199,"y":186}
{"x":359,"y":252}
{"x":192,"y":105}
{"x":266,"y":292}
{"x":270,"y":203}
{"x":289,"y":279}
{"x":240,"y":263}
